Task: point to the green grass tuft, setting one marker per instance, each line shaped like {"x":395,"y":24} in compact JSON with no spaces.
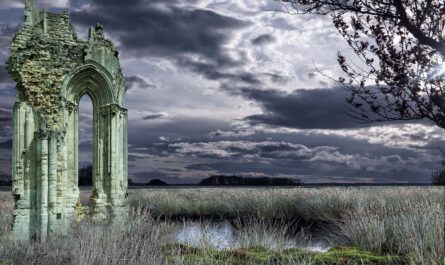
{"x":261,"y":256}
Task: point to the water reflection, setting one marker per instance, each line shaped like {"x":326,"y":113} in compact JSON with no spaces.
{"x":222,"y":235}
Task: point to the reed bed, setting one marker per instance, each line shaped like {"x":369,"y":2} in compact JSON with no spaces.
{"x":388,"y":221}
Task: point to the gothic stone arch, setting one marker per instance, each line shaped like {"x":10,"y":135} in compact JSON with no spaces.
{"x":53,"y":69}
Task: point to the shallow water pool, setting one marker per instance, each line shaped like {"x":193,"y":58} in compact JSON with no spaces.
{"x":223,"y":235}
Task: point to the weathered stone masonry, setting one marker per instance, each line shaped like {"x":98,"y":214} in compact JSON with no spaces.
{"x":53,"y":69}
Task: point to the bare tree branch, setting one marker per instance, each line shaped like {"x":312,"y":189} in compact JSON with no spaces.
{"x":401,"y":44}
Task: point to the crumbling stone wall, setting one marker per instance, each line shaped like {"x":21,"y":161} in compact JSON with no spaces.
{"x":53,"y":69}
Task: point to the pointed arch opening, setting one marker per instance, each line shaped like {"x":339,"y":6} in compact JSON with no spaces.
{"x":109,"y":142}
{"x":85,"y":145}
{"x":91,"y":79}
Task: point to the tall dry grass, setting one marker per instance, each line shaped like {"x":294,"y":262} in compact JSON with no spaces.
{"x":329,"y":203}
{"x":387,"y":220}
{"x":399,"y":221}
{"x":408,"y":223}
{"x":137,"y":242}
{"x":6,"y":207}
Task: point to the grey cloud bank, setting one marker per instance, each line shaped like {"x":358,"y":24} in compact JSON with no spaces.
{"x":224,"y":87}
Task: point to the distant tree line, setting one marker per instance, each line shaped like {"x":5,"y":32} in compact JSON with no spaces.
{"x":438,"y":176}
{"x":222,"y":180}
{"x":86,"y":176}
{"x":153,"y":182}
{"x":5,"y":182}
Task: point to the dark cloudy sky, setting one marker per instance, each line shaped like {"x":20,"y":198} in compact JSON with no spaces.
{"x":232,"y":87}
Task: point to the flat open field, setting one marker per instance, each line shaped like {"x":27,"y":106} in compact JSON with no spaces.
{"x":356,"y":225}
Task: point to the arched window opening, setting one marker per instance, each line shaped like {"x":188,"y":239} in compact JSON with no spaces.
{"x":85,"y":149}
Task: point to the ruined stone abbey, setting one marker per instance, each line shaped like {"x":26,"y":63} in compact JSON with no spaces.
{"x":53,"y":69}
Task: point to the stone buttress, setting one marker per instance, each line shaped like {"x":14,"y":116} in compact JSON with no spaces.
{"x":53,"y":69}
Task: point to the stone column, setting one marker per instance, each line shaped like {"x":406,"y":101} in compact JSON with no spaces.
{"x":69,"y":152}
{"x":110,"y":163}
{"x":63,"y":188}
{"x":101,"y":163}
{"x":52,"y":181}
{"x":118,"y":175}
{"x":21,"y":220}
{"x":121,"y":211}
{"x":125,"y":129}
{"x":43,"y":185}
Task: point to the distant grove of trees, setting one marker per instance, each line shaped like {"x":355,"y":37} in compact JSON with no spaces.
{"x":86,"y":173}
{"x":153,"y":182}
{"x":4,"y":182}
{"x":438,"y":177}
{"x":221,"y":180}
{"x":86,"y":176}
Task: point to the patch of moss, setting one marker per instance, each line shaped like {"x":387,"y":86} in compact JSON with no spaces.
{"x":42,"y":56}
{"x":39,"y":65}
{"x":349,"y":255}
{"x":80,"y":211}
{"x":335,"y":256}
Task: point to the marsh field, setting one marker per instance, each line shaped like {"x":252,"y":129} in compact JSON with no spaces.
{"x":329,"y":225}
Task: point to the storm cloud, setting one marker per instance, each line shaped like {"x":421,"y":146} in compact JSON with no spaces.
{"x":263,"y":39}
{"x":163,"y":28}
{"x":302,"y":108}
{"x":138,"y":82}
{"x":154,"y":116}
{"x":222,"y":87}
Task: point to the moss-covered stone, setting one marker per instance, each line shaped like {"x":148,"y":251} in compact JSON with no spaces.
{"x":53,"y":69}
{"x":45,"y":51}
{"x":335,"y":256}
{"x":40,"y":59}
